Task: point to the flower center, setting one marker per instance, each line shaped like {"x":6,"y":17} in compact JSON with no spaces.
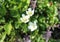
{"x":29,"y":12}
{"x":33,"y":26}
{"x":24,"y":19}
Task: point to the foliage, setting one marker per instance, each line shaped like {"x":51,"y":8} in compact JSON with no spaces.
{"x":17,"y":20}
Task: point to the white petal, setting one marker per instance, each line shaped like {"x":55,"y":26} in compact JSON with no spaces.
{"x":30,"y":23}
{"x":26,"y":12}
{"x":26,"y":21}
{"x":29,"y":27}
{"x":33,"y":11}
{"x":23,"y":15}
{"x":29,"y":9}
{"x":27,"y":16}
{"x":33,"y":29}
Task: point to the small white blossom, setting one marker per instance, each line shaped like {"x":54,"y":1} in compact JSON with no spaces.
{"x":25,"y":18}
{"x":32,"y":26}
{"x":30,"y":12}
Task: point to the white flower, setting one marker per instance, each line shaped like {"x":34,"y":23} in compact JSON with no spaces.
{"x":32,"y":26}
{"x":25,"y":18}
{"x":30,"y":12}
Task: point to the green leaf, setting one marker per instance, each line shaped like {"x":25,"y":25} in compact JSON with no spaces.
{"x":2,"y":10}
{"x":3,"y":37}
{"x":2,"y":20}
{"x":8,"y":28}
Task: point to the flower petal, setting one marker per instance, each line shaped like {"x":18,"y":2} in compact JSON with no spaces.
{"x":23,"y":15}
{"x":29,"y":9}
